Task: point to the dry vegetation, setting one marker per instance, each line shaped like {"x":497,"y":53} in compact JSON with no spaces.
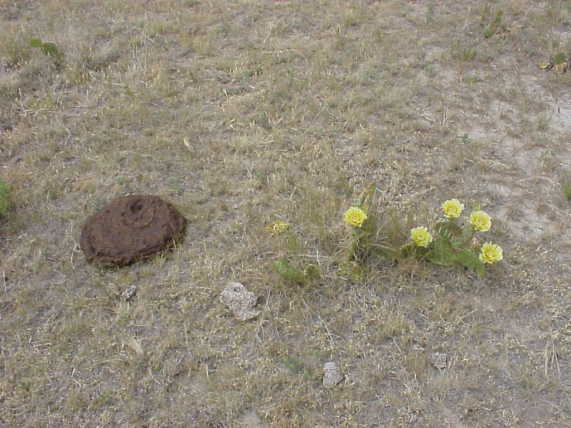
{"x":244,"y":112}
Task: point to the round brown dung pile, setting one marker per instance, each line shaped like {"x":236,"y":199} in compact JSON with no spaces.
{"x":131,"y":228}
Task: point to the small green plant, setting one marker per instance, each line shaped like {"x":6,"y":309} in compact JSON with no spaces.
{"x":292,"y":271}
{"x":468,"y":54}
{"x":560,"y":58}
{"x":289,"y":272}
{"x":295,"y":274}
{"x":560,"y":63}
{"x":463,"y":53}
{"x":4,"y":198}
{"x":48,"y":49}
{"x":496,"y":26}
{"x":566,"y":188}
{"x":465,"y":139}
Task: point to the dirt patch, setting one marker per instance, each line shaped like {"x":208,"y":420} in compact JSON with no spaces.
{"x":130,"y":228}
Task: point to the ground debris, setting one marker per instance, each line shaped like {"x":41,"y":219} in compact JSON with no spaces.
{"x":240,"y":301}
{"x":439,"y":360}
{"x":331,"y":374}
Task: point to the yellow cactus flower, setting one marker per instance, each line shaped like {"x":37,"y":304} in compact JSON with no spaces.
{"x":452,"y":208}
{"x":278,"y":227}
{"x":491,"y":253}
{"x":355,"y":216}
{"x":421,"y":236}
{"x":480,"y":221}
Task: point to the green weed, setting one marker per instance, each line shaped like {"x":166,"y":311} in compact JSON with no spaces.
{"x":559,"y":58}
{"x":463,"y":53}
{"x":290,"y":266}
{"x":48,"y":49}
{"x":4,"y":198}
{"x":495,"y":26}
{"x":566,"y":188}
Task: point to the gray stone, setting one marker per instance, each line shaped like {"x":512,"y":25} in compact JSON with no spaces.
{"x":439,"y":360}
{"x":129,"y":293}
{"x":240,"y":301}
{"x":331,"y":374}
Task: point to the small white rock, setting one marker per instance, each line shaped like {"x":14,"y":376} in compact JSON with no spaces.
{"x":439,"y":360}
{"x":240,"y":301}
{"x":129,"y":293}
{"x":331,"y":374}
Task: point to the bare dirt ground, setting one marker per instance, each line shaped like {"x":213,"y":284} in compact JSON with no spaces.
{"x":241,"y":113}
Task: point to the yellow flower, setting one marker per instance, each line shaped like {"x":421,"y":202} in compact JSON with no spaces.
{"x":480,"y":221}
{"x":278,"y":227}
{"x":452,"y":208}
{"x":421,"y":236}
{"x":355,"y":217}
{"x":491,"y":253}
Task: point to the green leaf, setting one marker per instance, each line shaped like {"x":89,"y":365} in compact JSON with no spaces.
{"x":469,"y":259}
{"x":441,"y":252}
{"x":448,"y":229}
{"x":36,"y":43}
{"x":456,"y":236}
{"x":4,"y":199}
{"x":289,"y":272}
{"x":51,"y":49}
{"x":560,"y":58}
{"x":462,"y":240}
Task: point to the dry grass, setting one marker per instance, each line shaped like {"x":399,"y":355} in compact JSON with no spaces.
{"x":245,"y":112}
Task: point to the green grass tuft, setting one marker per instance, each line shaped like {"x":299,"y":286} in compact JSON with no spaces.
{"x":566,"y":188}
{"x":4,"y":198}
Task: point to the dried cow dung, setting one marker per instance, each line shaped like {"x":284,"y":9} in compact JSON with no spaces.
{"x":130,"y":228}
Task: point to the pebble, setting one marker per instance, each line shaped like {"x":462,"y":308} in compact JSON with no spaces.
{"x":240,"y":301}
{"x":331,"y":374}
{"x":129,"y":293}
{"x":439,"y":360}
